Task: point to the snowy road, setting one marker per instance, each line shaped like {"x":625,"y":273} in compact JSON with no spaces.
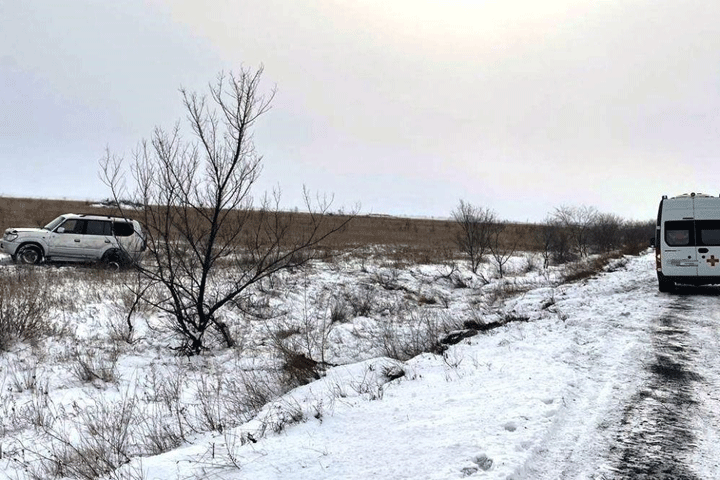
{"x":656,"y":438}
{"x":661,"y":418}
{"x":670,"y":426}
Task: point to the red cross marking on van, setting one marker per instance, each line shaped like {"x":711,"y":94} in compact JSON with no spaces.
{"x":712,"y":260}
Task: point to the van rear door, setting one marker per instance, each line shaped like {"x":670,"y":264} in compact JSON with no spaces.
{"x":707,"y":234}
{"x":679,"y":254}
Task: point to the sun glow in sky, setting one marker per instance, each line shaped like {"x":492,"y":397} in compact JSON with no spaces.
{"x":403,"y":106}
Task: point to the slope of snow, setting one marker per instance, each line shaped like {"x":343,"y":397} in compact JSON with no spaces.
{"x":546,"y":396}
{"x":535,"y":399}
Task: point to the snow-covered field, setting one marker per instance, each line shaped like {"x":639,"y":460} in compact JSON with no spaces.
{"x":601,"y":378}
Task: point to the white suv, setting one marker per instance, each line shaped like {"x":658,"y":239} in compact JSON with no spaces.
{"x":74,"y":237}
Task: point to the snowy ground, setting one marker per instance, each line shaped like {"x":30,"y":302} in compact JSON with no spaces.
{"x":598,"y":379}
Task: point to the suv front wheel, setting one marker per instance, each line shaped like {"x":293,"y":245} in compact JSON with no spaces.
{"x":29,"y":255}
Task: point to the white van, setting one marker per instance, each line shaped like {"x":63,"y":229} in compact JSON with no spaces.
{"x":687,"y":240}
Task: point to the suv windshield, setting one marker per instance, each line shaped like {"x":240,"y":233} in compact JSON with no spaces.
{"x":51,"y":226}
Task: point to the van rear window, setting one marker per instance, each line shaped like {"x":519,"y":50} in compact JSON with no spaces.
{"x":679,"y":233}
{"x":708,"y":232}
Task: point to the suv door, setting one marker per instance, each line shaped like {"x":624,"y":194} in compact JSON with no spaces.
{"x":97,"y":238}
{"x":67,"y":239}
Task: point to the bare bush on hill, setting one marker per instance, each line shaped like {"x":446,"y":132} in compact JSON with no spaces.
{"x":552,"y":242}
{"x":198,"y":211}
{"x":568,"y":234}
{"x":635,"y":236}
{"x":476,"y":226}
{"x":605,"y":232}
{"x":501,"y":249}
{"x":571,"y":233}
{"x":577,"y":222}
{"x":407,"y":336}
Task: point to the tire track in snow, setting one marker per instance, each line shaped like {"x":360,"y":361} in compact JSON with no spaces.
{"x":656,"y":439}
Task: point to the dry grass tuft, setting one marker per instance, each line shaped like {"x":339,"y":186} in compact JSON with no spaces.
{"x":24,"y":308}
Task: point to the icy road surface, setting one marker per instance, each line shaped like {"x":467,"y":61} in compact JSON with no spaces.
{"x":657,"y":416}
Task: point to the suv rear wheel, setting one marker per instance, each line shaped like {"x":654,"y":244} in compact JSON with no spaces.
{"x":29,"y":254}
{"x":112,"y":261}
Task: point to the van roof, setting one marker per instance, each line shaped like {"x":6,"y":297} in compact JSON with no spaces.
{"x":687,"y":195}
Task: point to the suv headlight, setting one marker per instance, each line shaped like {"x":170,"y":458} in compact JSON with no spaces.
{"x":10,"y":236}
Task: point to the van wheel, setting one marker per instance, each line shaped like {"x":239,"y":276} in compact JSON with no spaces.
{"x":29,"y":255}
{"x":666,"y":286}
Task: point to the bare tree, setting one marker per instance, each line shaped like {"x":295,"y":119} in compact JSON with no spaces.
{"x":475,"y":224}
{"x":636,"y":235}
{"x":205,"y":242}
{"x":578,"y":222}
{"x":546,"y":235}
{"x":606,"y":232}
{"x":501,"y":246}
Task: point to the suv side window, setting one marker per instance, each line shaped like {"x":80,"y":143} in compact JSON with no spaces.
{"x":98,"y":227}
{"x":123,"y":229}
{"x":74,"y":226}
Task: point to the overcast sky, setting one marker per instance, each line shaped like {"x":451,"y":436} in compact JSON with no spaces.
{"x":405,"y":106}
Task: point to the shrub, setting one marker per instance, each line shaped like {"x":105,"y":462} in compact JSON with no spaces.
{"x":299,"y":369}
{"x":605,"y":232}
{"x":577,"y":223}
{"x":96,"y":446}
{"x":95,"y":365}
{"x":258,"y":389}
{"x":199,"y":214}
{"x":24,"y":309}
{"x":160,"y":431}
{"x":406,"y":338}
{"x":636,"y":236}
{"x":362,"y":301}
{"x":338,"y":310}
{"x":585,"y":269}
{"x":475,"y":225}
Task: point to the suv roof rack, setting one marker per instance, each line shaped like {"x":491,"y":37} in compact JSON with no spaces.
{"x":111,"y":217}
{"x":92,"y":215}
